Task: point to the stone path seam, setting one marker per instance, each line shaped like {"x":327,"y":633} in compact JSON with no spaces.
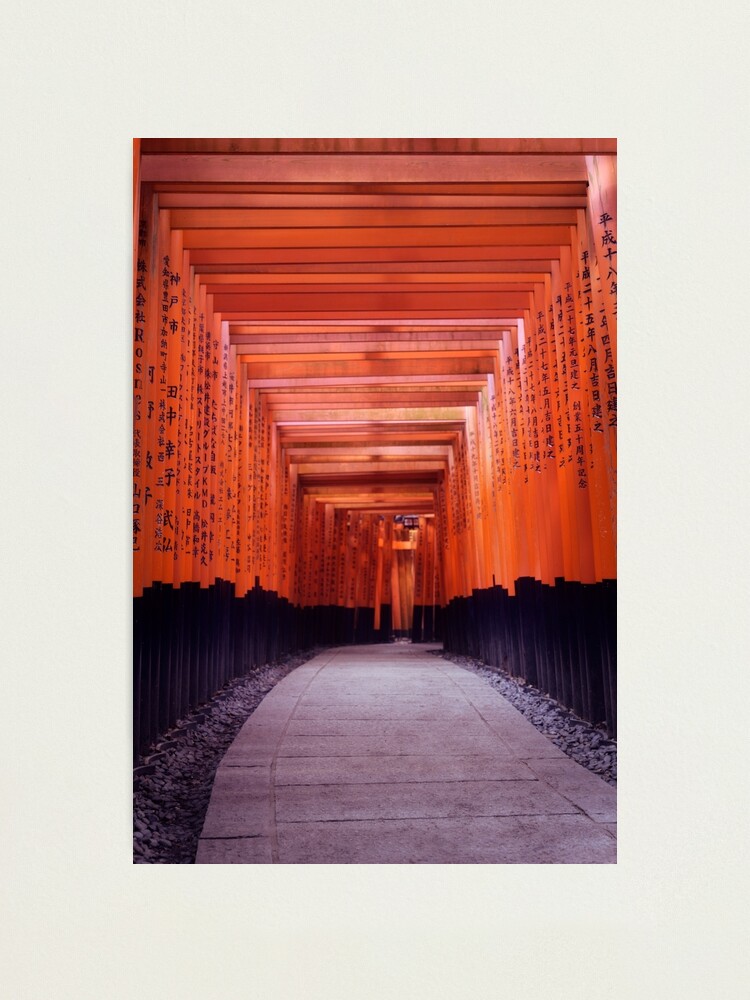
{"x":272,"y":783}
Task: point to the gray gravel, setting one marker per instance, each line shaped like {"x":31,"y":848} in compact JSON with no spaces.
{"x":586,"y":744}
{"x":172,"y":781}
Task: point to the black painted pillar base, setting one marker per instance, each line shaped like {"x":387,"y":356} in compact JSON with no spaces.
{"x":561,"y":639}
{"x":189,"y":641}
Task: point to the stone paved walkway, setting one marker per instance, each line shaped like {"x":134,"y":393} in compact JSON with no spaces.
{"x":389,"y":755}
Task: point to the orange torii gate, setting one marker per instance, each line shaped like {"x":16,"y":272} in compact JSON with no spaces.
{"x":330,"y":334}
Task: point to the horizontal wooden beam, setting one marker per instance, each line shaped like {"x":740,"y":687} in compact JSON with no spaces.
{"x":348,"y":146}
{"x":295,"y":281}
{"x":365,"y":328}
{"x":382,"y":369}
{"x":371,"y":255}
{"x":361,"y":270}
{"x":407,"y":347}
{"x":367,"y":400}
{"x":404,"y":410}
{"x":323,"y":201}
{"x":395,"y":452}
{"x":455,"y":288}
{"x":353,"y":218}
{"x":480,"y":189}
{"x":276,"y":382}
{"x":370,"y":340}
{"x":360,"y":168}
{"x":328,"y":358}
{"x":374,"y":236}
{"x":490,"y":312}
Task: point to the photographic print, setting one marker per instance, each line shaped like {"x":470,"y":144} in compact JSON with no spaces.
{"x":374,"y":501}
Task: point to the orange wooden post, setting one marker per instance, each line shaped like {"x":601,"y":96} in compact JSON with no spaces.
{"x":142,"y":292}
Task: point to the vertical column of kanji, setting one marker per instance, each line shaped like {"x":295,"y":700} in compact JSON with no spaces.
{"x":264,"y":498}
{"x":447,"y":512}
{"x":395,"y":580}
{"x":268,"y":496}
{"x":547,"y":498}
{"x":294,"y":552}
{"x":235,"y":444}
{"x":169,"y":387}
{"x":602,"y":200}
{"x":239,"y":464}
{"x":327,"y":597}
{"x":363,"y":576}
{"x":319,"y":553}
{"x":532,"y":465}
{"x":602,"y":231}
{"x":358,"y":563}
{"x":419,"y":567}
{"x":142,"y":291}
{"x":353,"y":563}
{"x":387,"y":592}
{"x":452,"y":522}
{"x":251,"y":534}
{"x":295,"y":506}
{"x":258,"y":494}
{"x":214,"y":400}
{"x":322,"y":595}
{"x":190,"y":425}
{"x":378,"y":597}
{"x":222,"y":454}
{"x":150,"y":309}
{"x":505,"y":427}
{"x":181,"y":455}
{"x":516,"y":537}
{"x":215,"y":506}
{"x":303,"y":550}
{"x":336,"y":550}
{"x":462,"y":491}
{"x":593,"y":430}
{"x":421,"y":583}
{"x":488,"y":481}
{"x":475,"y":498}
{"x":161,"y":569}
{"x":436,"y":576}
{"x":224,"y":470}
{"x":277,"y":501}
{"x":369,"y":600}
{"x":284,"y":528}
{"x":351,"y":559}
{"x":316,"y":554}
{"x":242,"y":406}
{"x":493,"y":465}
{"x":466,"y":537}
{"x":430,"y":554}
{"x":203,"y":431}
{"x":530,"y":435}
{"x":258,"y":476}
{"x":340,"y":522}
{"x":562,"y":436}
{"x":575,"y":439}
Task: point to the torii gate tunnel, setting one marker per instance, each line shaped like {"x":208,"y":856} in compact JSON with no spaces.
{"x":375,"y":395}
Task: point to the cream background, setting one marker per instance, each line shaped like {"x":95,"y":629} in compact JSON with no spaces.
{"x":78,"y":919}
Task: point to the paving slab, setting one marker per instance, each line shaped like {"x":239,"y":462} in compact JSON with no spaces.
{"x":389,"y":755}
{"x":422,"y":800}
{"x":234,"y":851}
{"x":476,"y":841}
{"x":590,"y":794}
{"x":377,"y":770}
